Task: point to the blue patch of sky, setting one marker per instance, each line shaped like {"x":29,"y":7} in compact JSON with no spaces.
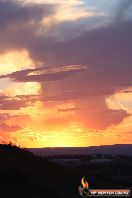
{"x":106,"y":6}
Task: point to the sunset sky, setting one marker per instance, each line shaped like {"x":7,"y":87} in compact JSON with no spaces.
{"x":66,"y":72}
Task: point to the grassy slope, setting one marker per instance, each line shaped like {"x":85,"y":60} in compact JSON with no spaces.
{"x":24,"y":175}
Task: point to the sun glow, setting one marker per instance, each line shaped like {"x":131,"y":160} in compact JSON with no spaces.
{"x":15,"y":60}
{"x":62,"y":140}
{"x":26,"y":88}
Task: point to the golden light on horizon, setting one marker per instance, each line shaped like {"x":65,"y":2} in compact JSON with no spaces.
{"x":38,"y":135}
{"x":43,"y":139}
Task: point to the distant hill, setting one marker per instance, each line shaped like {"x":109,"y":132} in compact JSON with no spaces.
{"x":117,"y":149}
{"x":23,"y":175}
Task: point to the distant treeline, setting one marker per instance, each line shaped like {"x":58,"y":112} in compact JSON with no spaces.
{"x":89,"y":157}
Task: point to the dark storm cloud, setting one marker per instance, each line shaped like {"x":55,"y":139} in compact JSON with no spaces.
{"x":13,"y":12}
{"x":122,"y":10}
{"x":45,"y":74}
{"x":106,"y":50}
{"x":19,"y":23}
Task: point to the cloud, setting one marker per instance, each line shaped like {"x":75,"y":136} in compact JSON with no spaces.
{"x":8,"y":127}
{"x":123,"y":9}
{"x":20,"y":23}
{"x":45,"y":74}
{"x":127,"y":91}
{"x":29,"y":27}
{"x":11,"y":88}
{"x":106,"y":49}
{"x":57,"y":123}
{"x":99,"y":117}
{"x":67,"y":110}
{"x":17,"y":102}
{"x":14,"y":61}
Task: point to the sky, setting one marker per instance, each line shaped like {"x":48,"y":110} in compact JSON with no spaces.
{"x":65,"y":72}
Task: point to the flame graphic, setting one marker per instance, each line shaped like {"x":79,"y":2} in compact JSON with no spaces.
{"x":84,"y":183}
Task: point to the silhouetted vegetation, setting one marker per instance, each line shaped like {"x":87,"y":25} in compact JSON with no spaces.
{"x":24,"y":175}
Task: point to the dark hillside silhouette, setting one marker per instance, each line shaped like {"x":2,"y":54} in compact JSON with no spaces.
{"x":24,"y":175}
